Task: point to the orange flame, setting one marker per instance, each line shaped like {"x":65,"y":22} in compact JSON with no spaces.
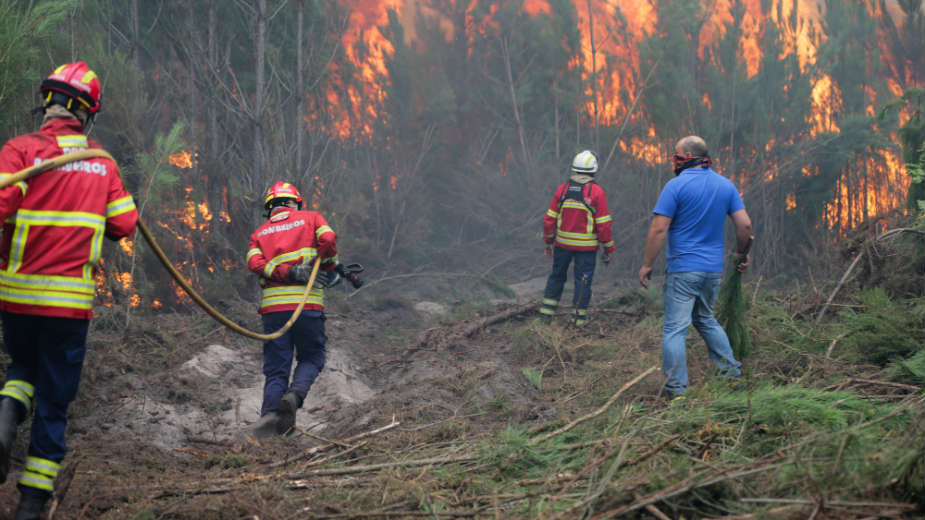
{"x":182,"y":159}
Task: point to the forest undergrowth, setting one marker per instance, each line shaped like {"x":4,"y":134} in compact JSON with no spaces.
{"x":828,"y":421}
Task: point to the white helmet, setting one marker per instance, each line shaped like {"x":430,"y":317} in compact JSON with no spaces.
{"x":585,"y":162}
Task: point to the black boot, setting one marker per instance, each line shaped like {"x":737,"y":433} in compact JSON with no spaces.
{"x":10,"y":415}
{"x":287,"y":407}
{"x":266,"y":426}
{"x":31,"y":505}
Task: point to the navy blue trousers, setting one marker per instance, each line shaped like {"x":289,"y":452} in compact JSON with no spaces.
{"x":585,"y":262}
{"x":48,"y":354}
{"x":306,"y":339}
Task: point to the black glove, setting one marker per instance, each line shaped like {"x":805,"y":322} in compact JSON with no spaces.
{"x":325,"y":280}
{"x":300,"y":273}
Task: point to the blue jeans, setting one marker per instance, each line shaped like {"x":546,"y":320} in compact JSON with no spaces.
{"x":306,"y":339}
{"x":689,"y":299}
{"x":583,"y":274}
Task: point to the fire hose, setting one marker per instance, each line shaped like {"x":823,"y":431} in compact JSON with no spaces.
{"x":60,"y":160}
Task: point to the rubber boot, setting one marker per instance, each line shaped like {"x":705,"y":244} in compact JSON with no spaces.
{"x":31,"y":506}
{"x":287,"y":407}
{"x":10,"y":416}
{"x":266,"y":426}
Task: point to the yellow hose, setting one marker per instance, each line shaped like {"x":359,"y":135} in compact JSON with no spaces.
{"x":90,"y":153}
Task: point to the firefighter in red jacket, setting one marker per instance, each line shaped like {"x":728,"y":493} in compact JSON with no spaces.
{"x":53,"y":229}
{"x":281,"y":253}
{"x":576,"y":223}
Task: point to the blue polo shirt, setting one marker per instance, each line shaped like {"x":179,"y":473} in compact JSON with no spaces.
{"x":697,"y":201}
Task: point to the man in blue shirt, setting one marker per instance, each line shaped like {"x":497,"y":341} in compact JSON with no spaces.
{"x":691,"y":212}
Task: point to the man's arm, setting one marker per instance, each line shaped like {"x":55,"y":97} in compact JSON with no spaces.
{"x":655,"y":241}
{"x":743,"y":225}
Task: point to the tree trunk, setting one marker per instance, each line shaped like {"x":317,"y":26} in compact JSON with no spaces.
{"x":506,"y":55}
{"x":299,"y":89}
{"x":257,"y":162}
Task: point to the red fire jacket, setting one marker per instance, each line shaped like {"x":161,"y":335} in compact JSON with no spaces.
{"x":579,"y":225}
{"x":288,"y":238}
{"x":54,"y":223}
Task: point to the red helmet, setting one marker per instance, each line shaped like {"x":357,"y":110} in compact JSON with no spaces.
{"x":76,"y":81}
{"x":282,"y":190}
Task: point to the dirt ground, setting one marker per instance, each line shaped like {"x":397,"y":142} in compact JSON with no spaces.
{"x":169,"y":398}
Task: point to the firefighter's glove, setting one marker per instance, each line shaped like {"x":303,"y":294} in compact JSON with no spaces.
{"x":300,"y":273}
{"x":325,"y":280}
{"x":605,"y":257}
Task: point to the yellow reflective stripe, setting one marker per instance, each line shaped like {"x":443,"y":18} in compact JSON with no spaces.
{"x":120,"y":206}
{"x":21,"y":391}
{"x":72,"y":141}
{"x":26,"y":387}
{"x":322,"y":230}
{"x":21,"y":184}
{"x":577,"y":243}
{"x":61,"y":218}
{"x":329,"y":259}
{"x":96,"y":249}
{"x":608,"y":244}
{"x":576,"y":236}
{"x":551,"y":213}
{"x":547,"y":311}
{"x":601,"y":220}
{"x":68,"y":300}
{"x":37,"y":480}
{"x":291,"y":294}
{"x":305,"y":254}
{"x":252,"y":252}
{"x":88,"y":76}
{"x":45,"y":467}
{"x":41,"y":282}
{"x":550,"y":301}
{"x":18,"y":246}
{"x":581,"y":312}
{"x":574,"y":204}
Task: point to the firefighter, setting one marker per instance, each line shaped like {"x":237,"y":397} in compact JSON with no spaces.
{"x":53,"y":229}
{"x":281,"y":253}
{"x":576,"y":224}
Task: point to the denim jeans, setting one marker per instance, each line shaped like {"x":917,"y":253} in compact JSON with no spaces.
{"x":689,"y":299}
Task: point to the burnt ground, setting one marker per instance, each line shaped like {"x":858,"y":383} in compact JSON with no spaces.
{"x":167,"y":399}
{"x":160,"y":426}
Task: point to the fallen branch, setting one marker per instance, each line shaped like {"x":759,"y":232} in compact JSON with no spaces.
{"x":838,"y":503}
{"x":689,"y":484}
{"x":595,"y":413}
{"x":844,"y":277}
{"x":376,"y":467}
{"x":442,"y":337}
{"x":317,"y":449}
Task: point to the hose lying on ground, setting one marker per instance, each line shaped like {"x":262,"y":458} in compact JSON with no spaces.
{"x":90,"y":153}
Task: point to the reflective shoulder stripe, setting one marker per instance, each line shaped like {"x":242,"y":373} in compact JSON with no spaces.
{"x":322,"y":230}
{"x":602,"y":220}
{"x":72,"y":141}
{"x":120,"y":206}
{"x":551,"y":213}
{"x":254,"y":251}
